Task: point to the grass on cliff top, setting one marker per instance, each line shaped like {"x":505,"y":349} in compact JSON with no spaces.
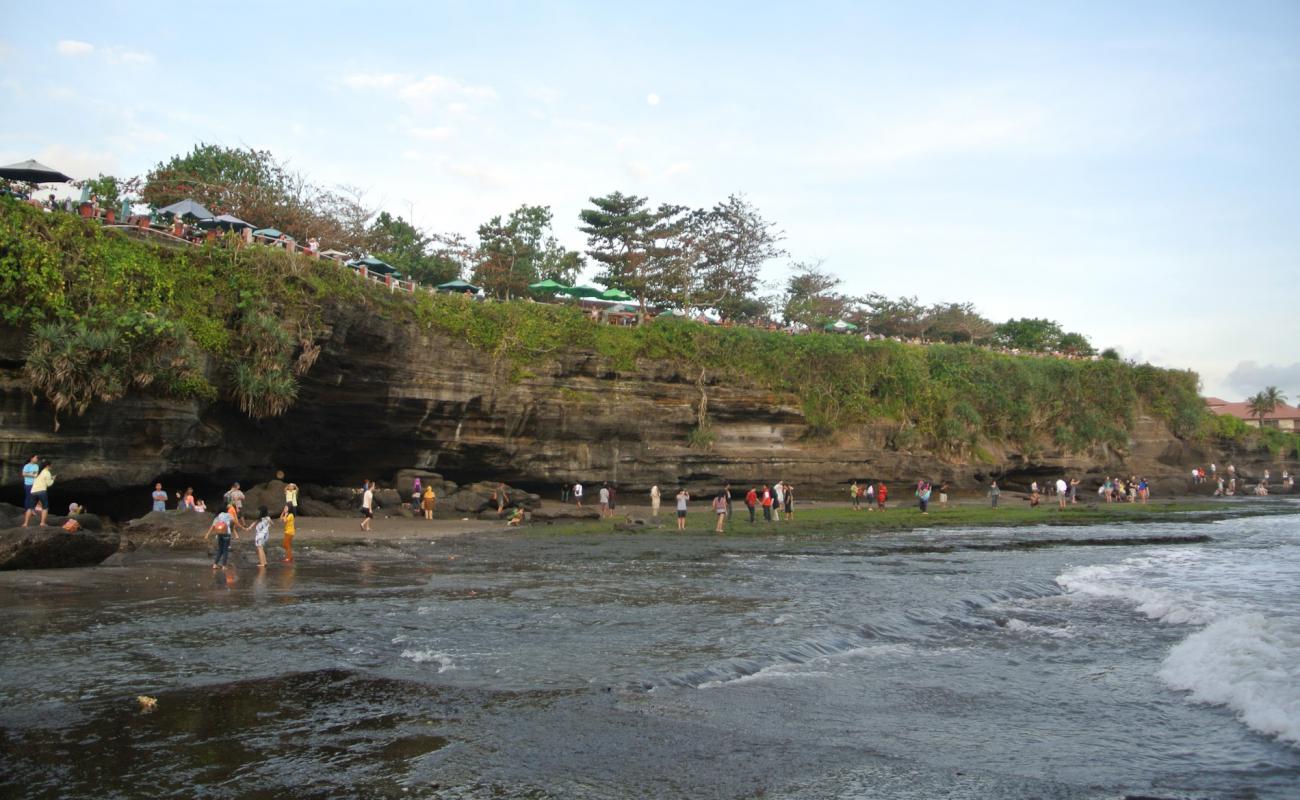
{"x":108,"y":315}
{"x":844,"y":520}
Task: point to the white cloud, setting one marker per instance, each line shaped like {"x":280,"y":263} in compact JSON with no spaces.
{"x":420,"y":92}
{"x":626,"y":143}
{"x":78,"y":163}
{"x":439,"y":134}
{"x":72,"y":47}
{"x":652,"y":99}
{"x":644,"y":171}
{"x":120,"y":55}
{"x":1248,"y":377}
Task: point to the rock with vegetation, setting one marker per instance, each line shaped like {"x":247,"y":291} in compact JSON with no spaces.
{"x":171,"y":530}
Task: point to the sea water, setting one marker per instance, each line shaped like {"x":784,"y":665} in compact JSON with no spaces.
{"x":1092,"y":662}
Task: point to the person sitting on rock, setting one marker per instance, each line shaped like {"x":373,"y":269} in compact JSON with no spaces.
{"x":516,"y":519}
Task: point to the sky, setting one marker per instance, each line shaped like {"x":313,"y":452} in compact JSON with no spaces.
{"x":1131,"y":170}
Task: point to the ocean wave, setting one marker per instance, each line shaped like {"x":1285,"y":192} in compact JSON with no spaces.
{"x":1130,"y":582}
{"x":1249,"y":664}
{"x":443,"y":660}
{"x":1020,"y":626}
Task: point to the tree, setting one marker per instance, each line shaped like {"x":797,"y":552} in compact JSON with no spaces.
{"x":956,"y":322}
{"x":1076,"y":344}
{"x":728,"y":246}
{"x":1110,"y":354}
{"x":810,"y":297}
{"x":1039,"y":335}
{"x":904,"y":317}
{"x":519,"y":249}
{"x":1265,"y":402}
{"x":624,"y":236}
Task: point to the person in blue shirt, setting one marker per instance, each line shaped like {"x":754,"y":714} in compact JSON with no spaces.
{"x":30,"y":470}
{"x":159,"y":498}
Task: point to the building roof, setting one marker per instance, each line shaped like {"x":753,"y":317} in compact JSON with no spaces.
{"x":1242,"y":410}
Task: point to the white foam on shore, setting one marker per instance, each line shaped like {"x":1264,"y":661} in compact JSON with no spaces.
{"x":443,"y":660}
{"x":1126,"y":582}
{"x":1020,"y":626}
{"x":1248,"y":663}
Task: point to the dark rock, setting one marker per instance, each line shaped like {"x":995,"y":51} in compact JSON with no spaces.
{"x":310,"y":507}
{"x":563,"y":512}
{"x":269,"y":494}
{"x":51,"y":547}
{"x":386,"y":499}
{"x":173,"y":530}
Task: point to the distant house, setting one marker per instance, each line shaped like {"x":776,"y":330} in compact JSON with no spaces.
{"x":1284,"y":417}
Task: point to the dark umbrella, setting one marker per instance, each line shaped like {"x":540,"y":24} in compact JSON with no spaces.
{"x":186,"y":208}
{"x":228,"y":221}
{"x":270,"y":233}
{"x":31,"y":171}
{"x":458,"y":286}
{"x":373,"y":264}
{"x":585,"y":291}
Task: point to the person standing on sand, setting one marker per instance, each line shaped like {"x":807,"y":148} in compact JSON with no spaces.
{"x":224,"y":526}
{"x":367,"y":506}
{"x":779,"y":494}
{"x":994,"y":493}
{"x":235,"y":497}
{"x":855,"y":497}
{"x":290,"y":528}
{"x":943,"y":495}
{"x":427,"y":501}
{"x":751,"y":501}
{"x":39,"y":495}
{"x":882,"y":494}
{"x":604,"y":501}
{"x":30,"y":470}
{"x":923,"y":496}
{"x":291,"y":497}
{"x":577,"y":494}
{"x":683,"y":498}
{"x":1062,"y":489}
{"x":261,"y":532}
{"x":654,"y":500}
{"x":870,"y":495}
{"x":767,"y":503}
{"x":159,"y":498}
{"x":720,"y":511}
{"x":788,"y":490}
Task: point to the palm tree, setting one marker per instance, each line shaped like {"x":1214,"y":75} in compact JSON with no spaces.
{"x":1265,"y":403}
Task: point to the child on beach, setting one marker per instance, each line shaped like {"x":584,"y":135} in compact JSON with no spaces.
{"x":260,"y":534}
{"x":289,"y":531}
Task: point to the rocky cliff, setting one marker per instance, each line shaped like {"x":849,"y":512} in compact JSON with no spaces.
{"x":386,"y":395}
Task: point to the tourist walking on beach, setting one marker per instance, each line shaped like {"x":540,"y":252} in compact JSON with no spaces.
{"x":159,"y":498}
{"x":224,"y":526}
{"x":855,"y":497}
{"x":604,"y":500}
{"x":30,"y":470}
{"x":261,"y":532}
{"x":683,"y":497}
{"x":788,"y":491}
{"x":1062,"y":489}
{"x":577,"y":494}
{"x":720,"y":511}
{"x":751,"y":502}
{"x":367,"y":506}
{"x":994,"y":493}
{"x":654,"y":500}
{"x":290,"y":528}
{"x":39,"y":496}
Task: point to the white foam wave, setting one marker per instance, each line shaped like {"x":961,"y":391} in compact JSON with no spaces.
{"x":1129,"y":582}
{"x":775,"y":671}
{"x":1020,"y":626}
{"x":1248,"y":663}
{"x":443,"y":660}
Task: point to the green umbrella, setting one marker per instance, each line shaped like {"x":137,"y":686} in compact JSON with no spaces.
{"x":841,"y":325}
{"x":615,"y":294}
{"x":373,"y":264}
{"x":585,"y":291}
{"x":548,"y":285}
{"x":458,"y":286}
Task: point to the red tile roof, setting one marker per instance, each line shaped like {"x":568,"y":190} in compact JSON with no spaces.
{"x":1242,"y":410}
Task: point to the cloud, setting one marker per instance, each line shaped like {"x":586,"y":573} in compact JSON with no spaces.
{"x":1248,"y":377}
{"x":644,"y":171}
{"x":78,"y":163}
{"x":120,"y":55}
{"x":652,"y":99}
{"x":439,"y":134}
{"x":420,"y":92}
{"x":72,"y":47}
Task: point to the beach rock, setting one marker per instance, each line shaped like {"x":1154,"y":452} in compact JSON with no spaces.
{"x":52,"y":547}
{"x":386,"y":499}
{"x":563,"y":512}
{"x":172,"y":530}
{"x":269,"y":494}
{"x":310,"y":507}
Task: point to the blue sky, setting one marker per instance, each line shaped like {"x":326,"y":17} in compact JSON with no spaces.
{"x":1129,"y":169}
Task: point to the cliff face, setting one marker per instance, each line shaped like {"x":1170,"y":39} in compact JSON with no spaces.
{"x":385,"y":396}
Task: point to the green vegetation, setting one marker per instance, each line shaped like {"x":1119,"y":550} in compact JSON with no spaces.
{"x":107,"y":314}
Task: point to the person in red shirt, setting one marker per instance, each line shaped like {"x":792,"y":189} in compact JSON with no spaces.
{"x":751,"y":500}
{"x":767,"y":503}
{"x":881,"y":493}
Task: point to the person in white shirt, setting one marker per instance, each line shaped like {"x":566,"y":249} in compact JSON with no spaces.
{"x":367,"y":506}
{"x":577,"y":494}
{"x":779,"y":493}
{"x":654,"y":500}
{"x":604,"y":501}
{"x":1062,"y":489}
